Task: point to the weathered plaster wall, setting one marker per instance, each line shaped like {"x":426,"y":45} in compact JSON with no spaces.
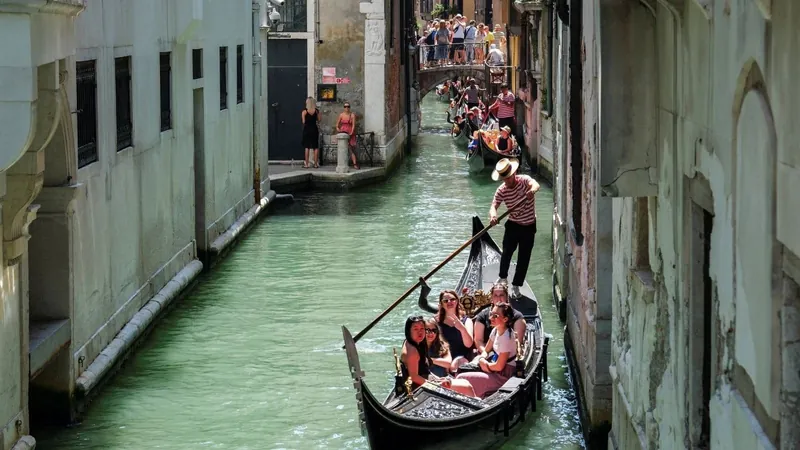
{"x":38,"y":40}
{"x":135,"y":222}
{"x":342,"y":47}
{"x":726,"y":134}
{"x":587,"y":287}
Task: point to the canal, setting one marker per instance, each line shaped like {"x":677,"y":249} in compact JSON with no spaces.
{"x":251,"y":358}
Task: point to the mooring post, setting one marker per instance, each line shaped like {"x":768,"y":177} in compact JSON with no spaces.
{"x":342,"y":150}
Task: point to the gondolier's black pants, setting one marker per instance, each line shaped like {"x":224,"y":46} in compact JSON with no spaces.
{"x":522,"y":236}
{"x":509,"y":122}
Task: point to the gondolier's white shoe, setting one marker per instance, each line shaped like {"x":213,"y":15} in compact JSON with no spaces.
{"x":515,"y":292}
{"x":502,"y":281}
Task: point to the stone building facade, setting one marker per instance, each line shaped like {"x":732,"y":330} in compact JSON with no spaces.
{"x":361,"y":43}
{"x":137,"y":154}
{"x":674,"y":256}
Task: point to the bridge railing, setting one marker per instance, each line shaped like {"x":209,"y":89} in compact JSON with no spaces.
{"x":430,"y":59}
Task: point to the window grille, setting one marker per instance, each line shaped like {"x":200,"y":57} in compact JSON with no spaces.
{"x":294,"y":15}
{"x":240,"y":74}
{"x":197,"y":63}
{"x":122,"y":77}
{"x":223,"y":78}
{"x":165,"y":65}
{"x":86,"y":87}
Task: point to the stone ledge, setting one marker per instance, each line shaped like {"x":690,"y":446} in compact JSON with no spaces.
{"x":25,"y":443}
{"x":135,"y":328}
{"x":226,"y":239}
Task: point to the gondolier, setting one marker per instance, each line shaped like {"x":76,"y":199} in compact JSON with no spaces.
{"x":505,"y":108}
{"x":517,"y":192}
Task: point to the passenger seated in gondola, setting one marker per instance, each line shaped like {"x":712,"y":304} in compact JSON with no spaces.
{"x":474,"y":122}
{"x":495,"y":370}
{"x":483,"y":322}
{"x":414,"y":358}
{"x":456,"y":328}
{"x":474,"y":144}
{"x":438,"y":349}
{"x":505,"y":143}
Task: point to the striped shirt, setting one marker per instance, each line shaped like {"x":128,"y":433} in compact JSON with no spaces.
{"x":505,"y":111}
{"x":525,"y":214}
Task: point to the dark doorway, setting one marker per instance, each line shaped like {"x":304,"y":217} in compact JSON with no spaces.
{"x":287,"y":89}
{"x":198,"y":111}
{"x":701,"y":338}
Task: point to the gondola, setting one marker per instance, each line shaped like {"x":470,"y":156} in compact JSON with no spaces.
{"x":491,"y":156}
{"x":461,"y":133}
{"x":475,"y":158}
{"x":433,"y":417}
{"x":443,"y":97}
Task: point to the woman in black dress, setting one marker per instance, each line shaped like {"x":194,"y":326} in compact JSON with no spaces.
{"x":311,"y":118}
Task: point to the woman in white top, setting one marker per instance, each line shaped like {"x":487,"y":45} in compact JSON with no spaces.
{"x":497,"y":369}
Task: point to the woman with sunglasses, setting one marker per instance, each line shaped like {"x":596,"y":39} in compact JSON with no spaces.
{"x":347,"y":124}
{"x":483,"y":324}
{"x":438,"y":349}
{"x":495,"y":370}
{"x":456,"y":328}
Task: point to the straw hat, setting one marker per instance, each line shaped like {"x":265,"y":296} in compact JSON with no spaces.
{"x":506,"y":128}
{"x":504,"y":168}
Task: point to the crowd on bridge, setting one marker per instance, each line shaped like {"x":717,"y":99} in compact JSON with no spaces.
{"x":459,"y":41}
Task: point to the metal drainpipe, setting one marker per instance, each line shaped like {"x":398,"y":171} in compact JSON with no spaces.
{"x":256,"y":99}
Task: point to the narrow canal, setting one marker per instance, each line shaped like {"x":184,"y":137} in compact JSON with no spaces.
{"x":251,"y":358}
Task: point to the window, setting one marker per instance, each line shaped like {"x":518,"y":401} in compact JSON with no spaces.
{"x":576,"y":119}
{"x":166,"y":90}
{"x":86,"y":84}
{"x":223,"y":78}
{"x":197,"y":63}
{"x":391,"y":24}
{"x":122,"y":77}
{"x":293,"y":16}
{"x":641,"y":233}
{"x":240,"y":74}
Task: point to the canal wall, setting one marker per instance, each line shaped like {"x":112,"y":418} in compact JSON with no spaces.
{"x":36,"y":129}
{"x":705,"y":254}
{"x":156,"y":101}
{"x":673,"y":262}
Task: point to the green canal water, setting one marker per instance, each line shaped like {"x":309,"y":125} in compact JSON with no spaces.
{"x":251,"y":358}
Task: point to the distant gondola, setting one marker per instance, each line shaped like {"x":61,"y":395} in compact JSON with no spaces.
{"x":434,"y":417}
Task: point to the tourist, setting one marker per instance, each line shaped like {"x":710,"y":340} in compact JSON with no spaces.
{"x":482,"y":324}
{"x":415,"y":363}
{"x":505,"y":143}
{"x":474,"y":144}
{"x":311,"y":118}
{"x":495,"y":370}
{"x":518,"y":192}
{"x":459,"y":33}
{"x":456,"y":328}
{"x":480,"y":41}
{"x":346,"y":123}
{"x":470,"y":34}
{"x":430,"y":41}
{"x":438,"y":349}
{"x":442,"y":42}
{"x":421,"y":48}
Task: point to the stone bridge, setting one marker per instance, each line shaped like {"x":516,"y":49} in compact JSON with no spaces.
{"x":431,"y":77}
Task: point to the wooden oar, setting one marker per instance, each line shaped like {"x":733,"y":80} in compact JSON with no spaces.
{"x":430,"y":274}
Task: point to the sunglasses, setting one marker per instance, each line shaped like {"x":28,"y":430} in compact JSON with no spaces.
{"x":494,"y":315}
{"x":431,"y":331}
{"x":346,"y":106}
{"x":450,"y":300}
